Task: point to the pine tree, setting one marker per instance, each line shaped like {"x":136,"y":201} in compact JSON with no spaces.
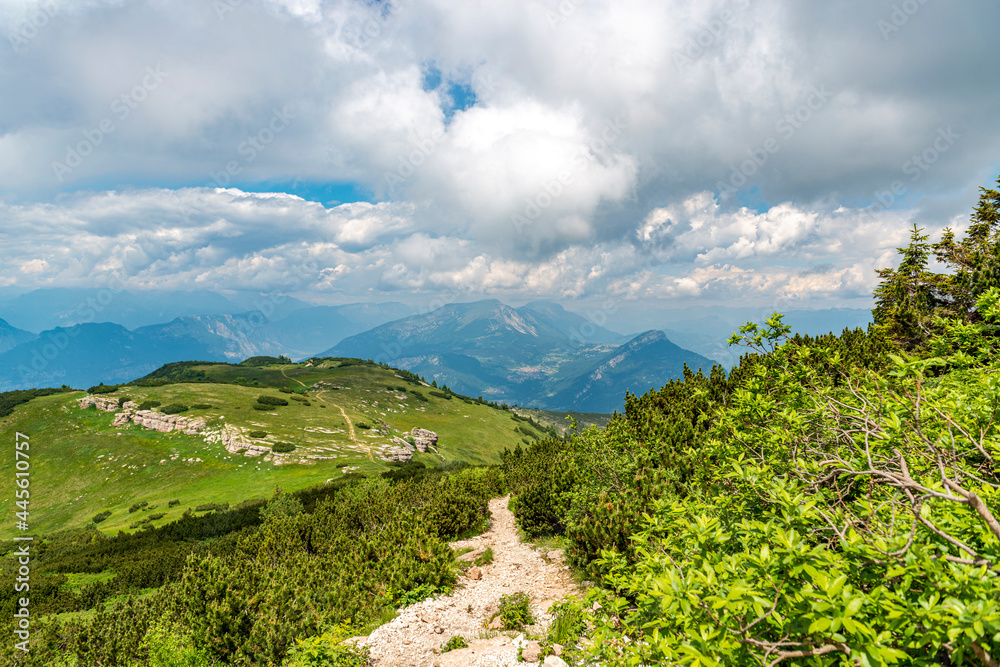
{"x":906,"y":298}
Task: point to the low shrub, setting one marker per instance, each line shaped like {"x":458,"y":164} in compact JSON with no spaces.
{"x":257,"y":434}
{"x":300,"y":399}
{"x":172,"y":503}
{"x":282,"y":447}
{"x":158,"y":515}
{"x":103,"y":389}
{"x":363,"y":425}
{"x":453,"y":644}
{"x":149,"y":405}
{"x":441,"y":394}
{"x":515,"y":611}
{"x":102,"y":516}
{"x":206,"y":507}
{"x":328,"y":650}
{"x":285,"y":390}
{"x":201,"y":406}
{"x":486,"y":557}
{"x":137,"y":506}
{"x":262,"y":407}
{"x":271,"y":400}
{"x":174,"y":409}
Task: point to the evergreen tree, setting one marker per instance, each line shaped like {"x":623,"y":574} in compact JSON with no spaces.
{"x":906,"y":298}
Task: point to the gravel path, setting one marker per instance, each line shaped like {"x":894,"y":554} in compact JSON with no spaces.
{"x":410,"y":639}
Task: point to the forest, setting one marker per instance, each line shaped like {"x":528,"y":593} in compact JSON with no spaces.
{"x":831,"y":500}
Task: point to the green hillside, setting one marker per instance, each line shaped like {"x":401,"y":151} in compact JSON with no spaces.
{"x":341,"y":414}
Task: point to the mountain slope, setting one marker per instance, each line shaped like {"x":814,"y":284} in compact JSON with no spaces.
{"x":309,"y":329}
{"x":11,"y":337}
{"x":85,"y":354}
{"x":645,"y":362}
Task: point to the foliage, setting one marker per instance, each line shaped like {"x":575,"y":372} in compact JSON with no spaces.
{"x":257,"y":434}
{"x":514,"y":612}
{"x":282,"y":447}
{"x":149,"y":405}
{"x":484,"y":558}
{"x":103,"y":389}
{"x":174,"y":409}
{"x":101,"y":516}
{"x":271,"y":400}
{"x":11,"y":399}
{"x":328,"y":650}
{"x":201,"y":406}
{"x":454,"y":643}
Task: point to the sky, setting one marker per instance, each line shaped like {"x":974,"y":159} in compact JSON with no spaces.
{"x":649,"y":153}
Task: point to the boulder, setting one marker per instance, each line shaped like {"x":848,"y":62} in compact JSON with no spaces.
{"x":532,"y":652}
{"x":474,"y":573}
{"x":554,"y":661}
{"x":423,"y":438}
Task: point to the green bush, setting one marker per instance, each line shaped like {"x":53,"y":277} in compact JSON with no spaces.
{"x":454,"y":643}
{"x":257,"y":434}
{"x":102,"y":516}
{"x":515,"y":611}
{"x":206,"y":507}
{"x":271,"y":400}
{"x":300,"y":399}
{"x":363,"y":425}
{"x":172,"y":503}
{"x":103,"y":389}
{"x":328,"y":650}
{"x":137,"y":506}
{"x":486,"y":557}
{"x":157,"y":515}
{"x":262,"y":407}
{"x":440,"y":394}
{"x":201,"y":406}
{"x":282,"y":447}
{"x":174,"y":409}
{"x":149,"y":405}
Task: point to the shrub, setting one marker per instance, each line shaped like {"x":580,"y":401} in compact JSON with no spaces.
{"x":285,"y":390}
{"x":201,"y":406}
{"x":122,"y":400}
{"x":486,"y":557}
{"x":149,"y":405}
{"x":515,"y":611}
{"x":271,"y":400}
{"x":173,"y":503}
{"x":441,"y":394}
{"x":137,"y":506}
{"x":158,"y":515}
{"x":257,"y":434}
{"x":103,"y":389}
{"x":102,"y":516}
{"x":174,"y":409}
{"x":300,"y":399}
{"x":282,"y":447}
{"x":328,"y":650}
{"x":261,"y":407}
{"x":454,"y":643}
{"x":206,"y":507}
{"x":363,"y":425}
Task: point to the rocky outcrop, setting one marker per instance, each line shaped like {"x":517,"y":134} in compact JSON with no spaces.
{"x":422,"y":438}
{"x":399,"y":454}
{"x":235,"y":440}
{"x":103,"y":403}
{"x":157,"y":421}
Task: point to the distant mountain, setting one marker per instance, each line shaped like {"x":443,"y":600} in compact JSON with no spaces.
{"x":11,"y":337}
{"x":539,"y":354}
{"x":45,"y":309}
{"x":318,"y":327}
{"x":220,"y":337}
{"x":86,"y":354}
{"x":647,"y":361}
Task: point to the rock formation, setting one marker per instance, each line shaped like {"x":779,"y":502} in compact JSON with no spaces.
{"x":423,"y":438}
{"x":103,"y":403}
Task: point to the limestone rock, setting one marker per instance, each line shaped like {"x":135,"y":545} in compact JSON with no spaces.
{"x":102,"y":403}
{"x":397,"y":454}
{"x":423,"y":438}
{"x":531,"y":652}
{"x":474,"y":573}
{"x":554,"y":661}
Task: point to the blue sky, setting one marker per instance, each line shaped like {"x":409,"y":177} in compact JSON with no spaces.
{"x":655,"y":152}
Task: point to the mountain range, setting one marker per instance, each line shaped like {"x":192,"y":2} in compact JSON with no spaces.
{"x":537,"y":355}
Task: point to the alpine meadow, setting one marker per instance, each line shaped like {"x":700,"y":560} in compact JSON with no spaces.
{"x":568,"y":333}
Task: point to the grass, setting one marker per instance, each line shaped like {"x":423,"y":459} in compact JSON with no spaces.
{"x":76,"y":581}
{"x":80,"y":465}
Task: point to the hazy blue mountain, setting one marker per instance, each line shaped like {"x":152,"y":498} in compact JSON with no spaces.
{"x":647,"y":361}
{"x":230,"y":338}
{"x":318,"y":327}
{"x":538,"y":354}
{"x":11,"y":337}
{"x":45,"y":309}
{"x":86,"y":354}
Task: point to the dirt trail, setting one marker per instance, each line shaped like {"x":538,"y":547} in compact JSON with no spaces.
{"x":350,"y":425}
{"x":410,"y":639}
